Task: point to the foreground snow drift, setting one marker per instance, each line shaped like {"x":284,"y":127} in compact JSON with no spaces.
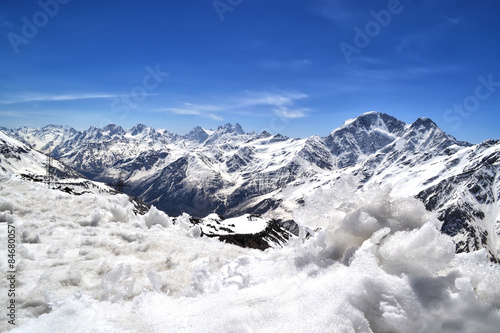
{"x":88,"y":264}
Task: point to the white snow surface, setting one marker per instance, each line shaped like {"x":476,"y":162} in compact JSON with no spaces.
{"x":378,"y":264}
{"x":245,"y":224}
{"x":31,"y":162}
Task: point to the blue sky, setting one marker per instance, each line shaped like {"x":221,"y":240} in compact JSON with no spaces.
{"x":295,"y":67}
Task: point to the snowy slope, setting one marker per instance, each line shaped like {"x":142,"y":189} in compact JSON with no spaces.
{"x":45,"y":138}
{"x":16,"y":157}
{"x":379,"y":264}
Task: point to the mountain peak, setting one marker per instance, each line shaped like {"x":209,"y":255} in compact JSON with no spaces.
{"x":52,"y":126}
{"x":230,"y":128}
{"x":111,"y":126}
{"x":139,"y":128}
{"x":425,"y":135}
{"x":264,"y":134}
{"x":422,"y":125}
{"x":372,"y":120}
{"x":425,"y":122}
{"x":197,"y":134}
{"x":362,"y":136}
{"x":110,"y":130}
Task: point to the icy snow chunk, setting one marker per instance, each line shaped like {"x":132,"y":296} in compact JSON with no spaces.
{"x":6,"y":216}
{"x":361,"y":213}
{"x":72,"y":277}
{"x":143,"y":246}
{"x":361,"y":224}
{"x":481,"y":276}
{"x":155,"y":279}
{"x":155,"y":216}
{"x":25,"y":253}
{"x":6,"y":206}
{"x":195,"y":231}
{"x":95,"y":218}
{"x":55,"y":251}
{"x":422,"y":251}
{"x":118,"y":283}
{"x":184,"y":222}
{"x":119,"y":213}
{"x":28,"y":236}
{"x":129,"y":236}
{"x":348,"y":218}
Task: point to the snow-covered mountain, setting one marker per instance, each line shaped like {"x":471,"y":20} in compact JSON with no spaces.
{"x":16,"y":158}
{"x":230,"y":172}
{"x":45,"y":138}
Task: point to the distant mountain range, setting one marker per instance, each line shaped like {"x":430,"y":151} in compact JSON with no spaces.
{"x":21,"y":161}
{"x":230,"y":172}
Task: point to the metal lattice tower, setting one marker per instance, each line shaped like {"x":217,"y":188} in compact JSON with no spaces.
{"x":120,"y":184}
{"x":48,"y":171}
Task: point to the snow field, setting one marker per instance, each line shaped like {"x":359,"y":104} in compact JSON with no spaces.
{"x":378,"y":264}
{"x":94,"y":245}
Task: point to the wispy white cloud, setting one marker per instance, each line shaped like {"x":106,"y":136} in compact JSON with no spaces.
{"x":277,"y":99}
{"x":291,"y":64}
{"x":291,"y":113}
{"x":409,"y":72}
{"x":25,"y":114}
{"x":28,"y":98}
{"x":188,"y":112}
{"x":15,"y":114}
{"x":453,"y":20}
{"x":193,"y":110}
{"x":280,"y":102}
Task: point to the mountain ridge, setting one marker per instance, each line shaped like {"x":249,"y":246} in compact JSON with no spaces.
{"x":230,"y":172}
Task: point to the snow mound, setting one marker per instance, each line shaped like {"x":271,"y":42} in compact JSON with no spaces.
{"x":154,"y":216}
{"x":373,"y":264}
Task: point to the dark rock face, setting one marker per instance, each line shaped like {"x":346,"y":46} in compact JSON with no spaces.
{"x":459,"y":201}
{"x":197,"y":134}
{"x":273,"y":234}
{"x":363,"y":136}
